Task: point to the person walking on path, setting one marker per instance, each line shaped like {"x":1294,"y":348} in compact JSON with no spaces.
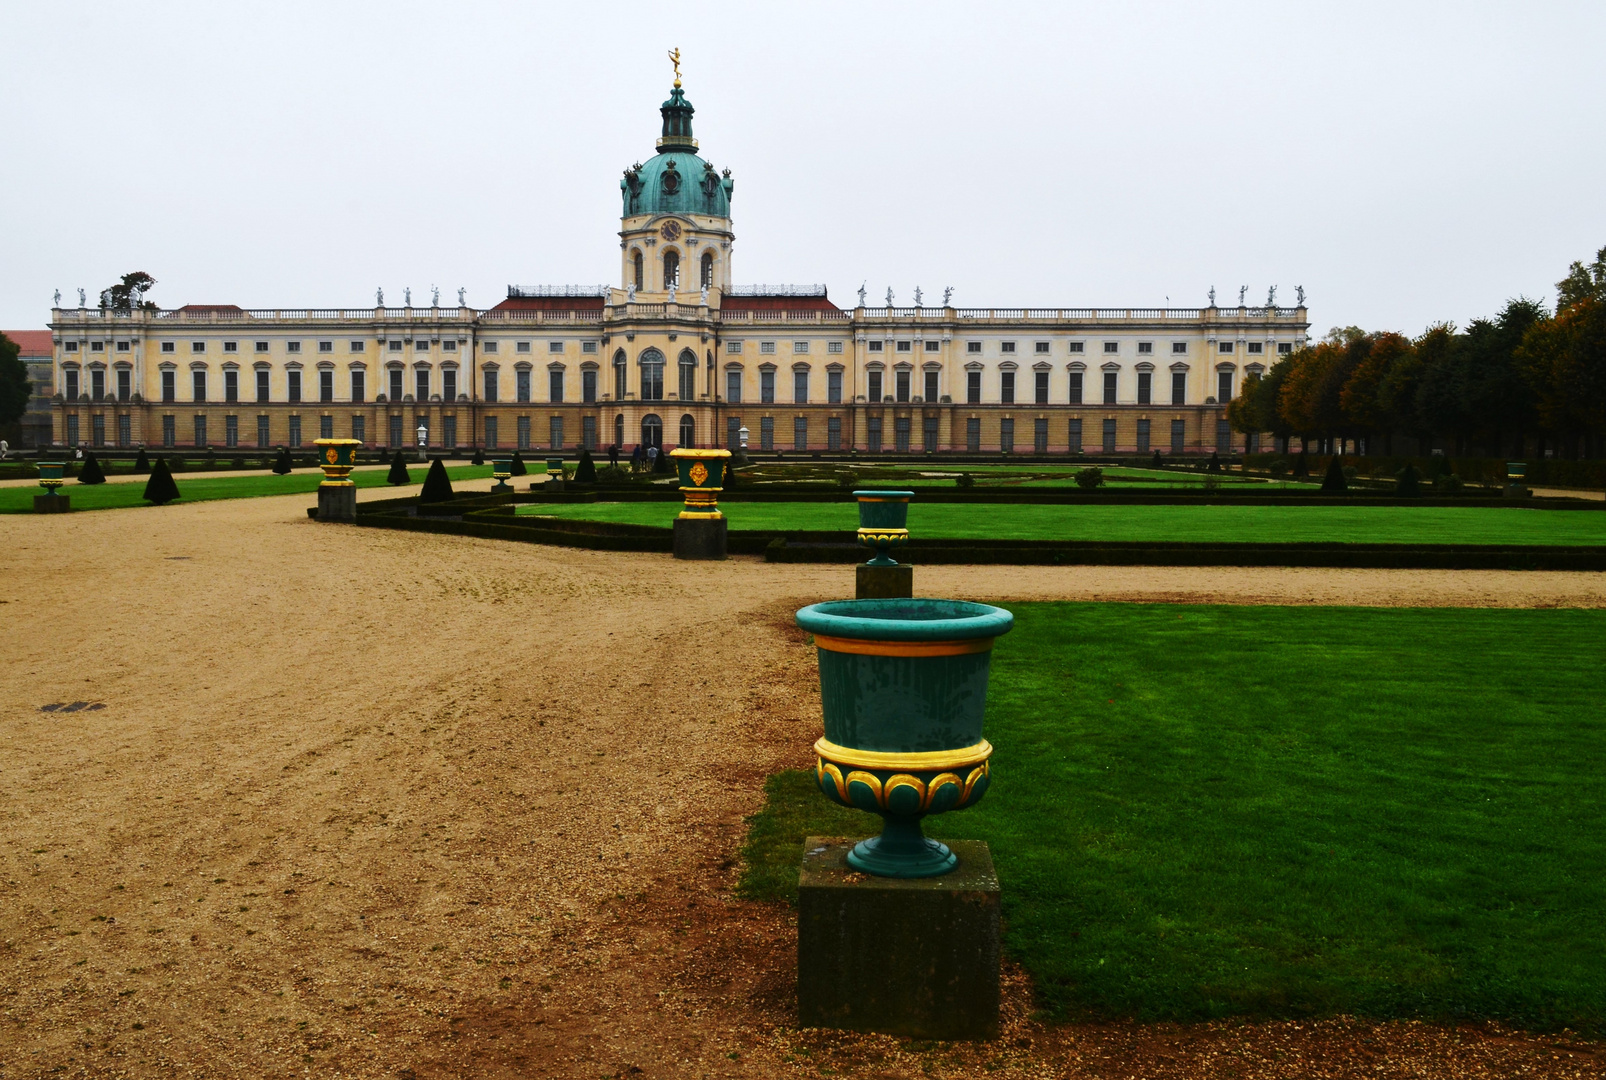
{"x":613,"y":454}
{"x":636,"y":459}
{"x":652,"y":458}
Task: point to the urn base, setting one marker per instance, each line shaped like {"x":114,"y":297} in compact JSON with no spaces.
{"x":337,"y":503}
{"x":902,"y":851}
{"x":700,"y":538}
{"x":871,"y":582}
{"x":52,"y":504}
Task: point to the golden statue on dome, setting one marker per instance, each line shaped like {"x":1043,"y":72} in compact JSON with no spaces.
{"x":674,"y":58}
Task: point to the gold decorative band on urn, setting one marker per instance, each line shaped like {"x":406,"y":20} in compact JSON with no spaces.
{"x":863,"y":647}
{"x":885,"y":536}
{"x":921,"y":761}
{"x":925,"y":791}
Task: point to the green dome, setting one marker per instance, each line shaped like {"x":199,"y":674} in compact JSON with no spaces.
{"x":676,"y":180}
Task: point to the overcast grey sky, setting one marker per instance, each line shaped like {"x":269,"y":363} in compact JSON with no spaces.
{"x":1405,"y":162}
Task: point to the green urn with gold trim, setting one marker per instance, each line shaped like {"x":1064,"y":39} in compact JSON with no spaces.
{"x":52,"y":474}
{"x":903,"y":686}
{"x":337,"y":457}
{"x":702,"y":478}
{"x":883,"y":523}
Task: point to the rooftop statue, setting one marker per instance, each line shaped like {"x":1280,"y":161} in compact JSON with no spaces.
{"x":1242,"y":289}
{"x":407,"y":296}
{"x":83,"y":301}
{"x":947,"y":296}
{"x":58,"y":298}
{"x":379,"y":296}
{"x":674,"y":58}
{"x":1271,"y":297}
{"x":462,"y":293}
{"x":434,"y":296}
{"x":1212,"y":296}
{"x":1299,"y":295}
{"x":861,"y":294}
{"x":889,"y":296}
{"x":917,"y":296}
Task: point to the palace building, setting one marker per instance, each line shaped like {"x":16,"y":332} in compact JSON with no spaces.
{"x":672,"y":355}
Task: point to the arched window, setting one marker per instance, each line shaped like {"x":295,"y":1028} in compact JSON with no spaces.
{"x":671,"y":268}
{"x":619,"y":430}
{"x":652,"y":431}
{"x":652,"y":375}
{"x":688,"y":376}
{"x":640,"y":268}
{"x":621,"y":384}
{"x":708,"y":270}
{"x":688,"y":431}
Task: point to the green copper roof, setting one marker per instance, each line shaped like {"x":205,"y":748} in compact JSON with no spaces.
{"x":676,"y":180}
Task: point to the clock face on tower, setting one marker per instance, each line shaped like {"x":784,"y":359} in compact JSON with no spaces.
{"x":671,"y":230}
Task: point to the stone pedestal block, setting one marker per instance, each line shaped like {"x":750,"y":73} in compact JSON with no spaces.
{"x":901,"y":956}
{"x":883,"y":582}
{"x":337,"y":504}
{"x":52,"y":504}
{"x":700,"y":538}
{"x":1517,"y":491}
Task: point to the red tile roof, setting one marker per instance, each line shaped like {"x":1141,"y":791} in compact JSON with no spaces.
{"x":33,"y":342}
{"x":550,"y":303}
{"x":777,"y":303}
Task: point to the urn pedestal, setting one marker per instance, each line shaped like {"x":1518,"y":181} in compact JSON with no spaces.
{"x":337,"y":493}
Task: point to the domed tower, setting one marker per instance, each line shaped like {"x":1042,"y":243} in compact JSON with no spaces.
{"x":676,"y":227}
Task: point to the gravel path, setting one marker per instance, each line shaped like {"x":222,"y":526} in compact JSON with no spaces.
{"x":348,"y":802}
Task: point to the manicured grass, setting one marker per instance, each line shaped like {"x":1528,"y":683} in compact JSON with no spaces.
{"x":1212,"y":811}
{"x":16,"y":500}
{"x":1279,"y":524}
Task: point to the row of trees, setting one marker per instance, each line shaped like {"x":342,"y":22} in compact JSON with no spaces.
{"x":1523,"y":380}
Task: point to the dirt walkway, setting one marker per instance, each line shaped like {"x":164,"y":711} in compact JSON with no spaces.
{"x":346,"y":802}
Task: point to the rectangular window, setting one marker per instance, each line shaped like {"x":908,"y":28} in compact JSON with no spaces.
{"x":1284,"y":348}
{"x":167,"y":346}
{"x":1145,"y":385}
{"x":873,"y":378}
{"x":733,"y":386}
{"x":800,"y":387}
{"x":906,"y":346}
{"x":261,"y":346}
{"x":449,"y":384}
{"x":1179,"y":436}
{"x":1040,"y":387}
{"x":972,"y":346}
{"x":1179,"y":348}
{"x":326,"y":387}
{"x":933,"y":346}
{"x":833,"y":387}
{"x":356,"y":346}
{"x":928,"y":434}
{"x":359,"y":428}
{"x":930,"y":394}
{"x":875,"y":346}
{"x":1040,"y":347}
{"x":1255,"y":347}
{"x":903,"y":384}
{"x":588,"y":347}
{"x":523,"y":346}
{"x":588,"y":431}
{"x":1179,"y":388}
{"x":1112,"y":346}
{"x":834,"y":348}
{"x":262,"y":385}
{"x":734,"y":348}
{"x":524,"y":433}
{"x":72,"y":430}
{"x":396,"y":432}
{"x":800,"y":347}
{"x":1224,"y":347}
{"x":231,"y":431}
{"x":873,"y":434}
{"x":198,"y":386}
{"x":1143,"y":436}
{"x":800,"y":433}
{"x":1145,"y":347}
{"x":326,"y":427}
{"x":295,"y":431}
{"x":125,"y":431}
{"x":588,"y":386}
{"x":263,"y":432}
{"x":394,"y":345}
{"x":1076,"y":388}
{"x":766,"y":387}
{"x":1109,"y":387}
{"x":200,"y":429}
{"x":1109,"y":435}
{"x":490,"y":385}
{"x":1077,"y":346}
{"x":766,"y":347}
{"x":197,"y":346}
{"x":489,"y":347}
{"x":521,"y":385}
{"x":395,"y":385}
{"x":169,"y":437}
{"x":1074,"y":435}
{"x":231,"y":386}
{"x":97,"y":346}
{"x":1040,"y":434}
{"x":833,"y":433}
{"x":973,"y":434}
{"x":900,"y":434}
{"x":420,"y":345}
{"x":490,"y":432}
{"x":292,"y":346}
{"x":1223,"y":437}
{"x":359,"y":387}
{"x":554,"y":430}
{"x":1006,"y":387}
{"x":1006,"y":435}
{"x":421,"y":385}
{"x":169,"y":377}
{"x":97,"y":429}
{"x":293,"y":382}
{"x":554,"y":346}
{"x":733,"y":432}
{"x":125,"y":384}
{"x":326,"y":346}
{"x":97,"y":384}
{"x":973,"y":387}
{"x":766,"y":433}
{"x":1223,"y":387}
{"x":554,"y":385}
{"x":1006,"y":346}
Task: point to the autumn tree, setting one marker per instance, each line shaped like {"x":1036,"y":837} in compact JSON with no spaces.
{"x":128,"y":295}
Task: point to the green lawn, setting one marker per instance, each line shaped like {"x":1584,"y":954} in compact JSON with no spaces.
{"x":1359,"y":524}
{"x":1212,"y":811}
{"x":18,"y":500}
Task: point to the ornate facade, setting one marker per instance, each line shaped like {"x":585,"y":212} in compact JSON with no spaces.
{"x":672,"y":355}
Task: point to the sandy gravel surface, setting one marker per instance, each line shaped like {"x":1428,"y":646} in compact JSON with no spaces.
{"x":363,"y":803}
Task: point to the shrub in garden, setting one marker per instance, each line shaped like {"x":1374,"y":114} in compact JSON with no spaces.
{"x":1407,"y":483}
{"x":1278,"y":467}
{"x":479,"y":457}
{"x":1158,"y":462}
{"x":1334,"y":480}
{"x":398,"y":471}
{"x":618,"y":474}
{"x":282,"y":464}
{"x":437,"y":485}
{"x":1090,"y":478}
{"x":586,"y":471}
{"x":237,"y":463}
{"x":1215,"y":463}
{"x":1448,"y":484}
{"x":660,"y":464}
{"x":518,"y":468}
{"x":142,"y":464}
{"x":964,"y":481}
{"x":1301,"y":464}
{"x":91,"y":473}
{"x":1212,"y":483}
{"x":160,"y":488}
{"x":1350,"y":473}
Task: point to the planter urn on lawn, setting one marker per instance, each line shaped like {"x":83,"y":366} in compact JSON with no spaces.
{"x":700,"y":528}
{"x":1516,"y":473}
{"x":337,"y":493}
{"x":52,"y":475}
{"x":903,"y":686}
{"x":554,"y":474}
{"x":883,"y":523}
{"x":501,"y":472}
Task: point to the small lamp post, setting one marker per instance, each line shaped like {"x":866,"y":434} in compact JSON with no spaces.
{"x":423,"y":440}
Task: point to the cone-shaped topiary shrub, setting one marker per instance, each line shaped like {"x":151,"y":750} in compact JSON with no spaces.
{"x":91,"y":473}
{"x":1158,"y":462}
{"x":1215,"y":463}
{"x":518,"y":468}
{"x":437,"y":485}
{"x":1408,"y":483}
{"x":586,"y":471}
{"x":142,"y":464}
{"x":282,"y":463}
{"x":660,"y":465}
{"x":479,"y":457}
{"x":1301,"y":464}
{"x":398,"y":471}
{"x":160,"y":488}
{"x":1334,"y":478}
